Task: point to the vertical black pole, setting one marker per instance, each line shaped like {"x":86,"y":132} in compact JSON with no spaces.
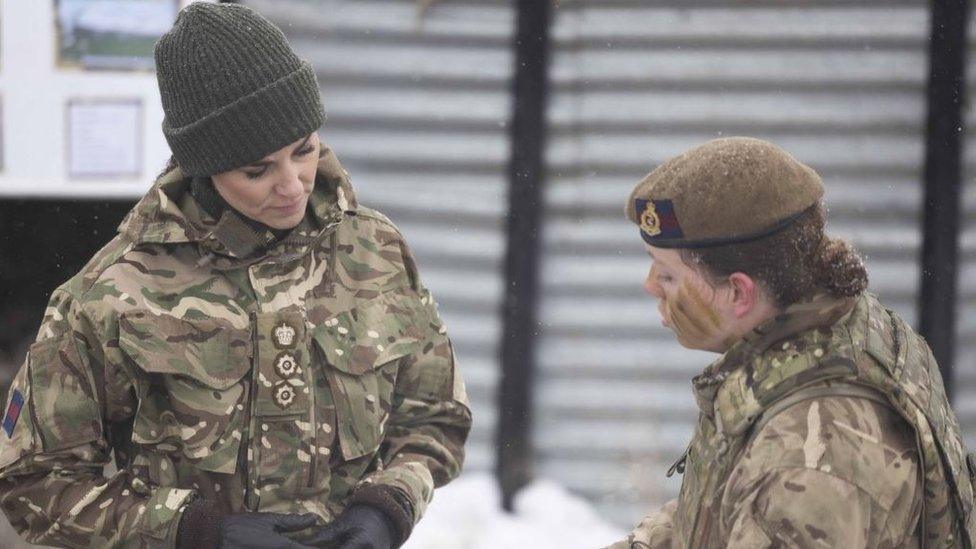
{"x":525,"y":171}
{"x":940,"y":241}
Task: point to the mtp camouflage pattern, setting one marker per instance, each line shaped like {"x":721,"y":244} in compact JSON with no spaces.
{"x":279,"y":379}
{"x":827,"y":426}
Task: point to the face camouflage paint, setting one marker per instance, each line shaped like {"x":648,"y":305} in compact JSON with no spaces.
{"x":695,"y":322}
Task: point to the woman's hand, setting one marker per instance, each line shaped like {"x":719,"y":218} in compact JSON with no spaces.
{"x":358,"y":527}
{"x":262,"y":530}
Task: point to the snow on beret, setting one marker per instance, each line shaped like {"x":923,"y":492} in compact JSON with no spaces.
{"x":728,"y":190}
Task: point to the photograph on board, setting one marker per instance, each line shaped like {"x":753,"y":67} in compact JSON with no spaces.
{"x":104,"y":138}
{"x":111,"y":34}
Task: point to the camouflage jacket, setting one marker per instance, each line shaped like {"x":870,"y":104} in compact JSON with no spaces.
{"x":827,"y":426}
{"x":282,"y":380}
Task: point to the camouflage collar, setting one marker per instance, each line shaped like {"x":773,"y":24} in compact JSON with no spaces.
{"x":167,"y":215}
{"x":821,"y":311}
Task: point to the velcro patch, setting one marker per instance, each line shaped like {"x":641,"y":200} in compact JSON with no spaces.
{"x":13,"y":412}
{"x":657,"y":220}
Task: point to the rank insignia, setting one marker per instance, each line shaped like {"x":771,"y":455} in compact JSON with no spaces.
{"x":285,"y":365}
{"x":657,"y":220}
{"x":284,"y":335}
{"x":284,"y":395}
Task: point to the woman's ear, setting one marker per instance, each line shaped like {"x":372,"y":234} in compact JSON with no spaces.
{"x":745,"y":294}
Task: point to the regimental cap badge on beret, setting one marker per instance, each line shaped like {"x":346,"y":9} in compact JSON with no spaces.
{"x":657,"y":220}
{"x":650,"y":223}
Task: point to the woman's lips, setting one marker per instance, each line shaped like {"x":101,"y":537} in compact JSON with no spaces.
{"x":288,"y":209}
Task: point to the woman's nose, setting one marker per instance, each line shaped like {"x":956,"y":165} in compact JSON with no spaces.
{"x":651,"y":286}
{"x":291,"y":185}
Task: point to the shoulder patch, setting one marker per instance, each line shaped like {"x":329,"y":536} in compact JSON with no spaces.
{"x":13,"y":412}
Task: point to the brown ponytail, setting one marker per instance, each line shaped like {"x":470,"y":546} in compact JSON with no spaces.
{"x":792,"y":264}
{"x":838,"y":268}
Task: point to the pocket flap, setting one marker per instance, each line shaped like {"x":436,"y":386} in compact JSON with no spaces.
{"x":365,"y":337}
{"x":209,"y":351}
{"x":63,"y":402}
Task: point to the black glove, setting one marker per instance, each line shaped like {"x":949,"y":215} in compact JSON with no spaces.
{"x":358,"y":527}
{"x":261,"y":530}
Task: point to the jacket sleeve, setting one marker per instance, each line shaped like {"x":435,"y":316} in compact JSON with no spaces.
{"x":57,"y":439}
{"x":654,"y":531}
{"x":423,"y":445}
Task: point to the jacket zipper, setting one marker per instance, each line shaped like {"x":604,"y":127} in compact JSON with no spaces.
{"x":247,"y":456}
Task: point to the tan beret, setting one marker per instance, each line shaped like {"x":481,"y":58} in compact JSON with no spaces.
{"x":729,"y":190}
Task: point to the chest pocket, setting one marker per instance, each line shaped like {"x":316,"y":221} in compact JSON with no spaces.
{"x":194,"y":396}
{"x":363,"y":348}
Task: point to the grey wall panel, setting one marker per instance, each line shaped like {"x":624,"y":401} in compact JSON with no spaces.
{"x":671,"y":24}
{"x":965,"y":400}
{"x":839,"y":84}
{"x":417,"y":108}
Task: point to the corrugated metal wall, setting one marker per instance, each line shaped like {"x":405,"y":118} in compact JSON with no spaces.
{"x":965,"y":397}
{"x":839,"y":84}
{"x":417,"y":109}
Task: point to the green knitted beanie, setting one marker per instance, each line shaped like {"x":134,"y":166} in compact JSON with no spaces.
{"x":233,"y":90}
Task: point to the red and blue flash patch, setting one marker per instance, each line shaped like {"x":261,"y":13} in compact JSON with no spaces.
{"x":657,"y":221}
{"x":13,"y":412}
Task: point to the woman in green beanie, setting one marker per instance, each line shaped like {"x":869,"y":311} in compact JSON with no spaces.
{"x":254,"y":348}
{"x":824,"y":422}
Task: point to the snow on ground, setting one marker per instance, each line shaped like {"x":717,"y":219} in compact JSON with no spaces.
{"x":467,"y":514}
